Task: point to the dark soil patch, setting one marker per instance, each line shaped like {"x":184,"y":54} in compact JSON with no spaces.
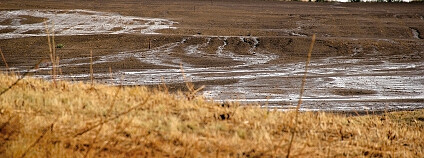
{"x":33,"y":32}
{"x":130,"y":63}
{"x":116,"y":29}
{"x":7,"y":30}
{"x":26,"y":19}
{"x":348,"y":92}
{"x":6,"y":22}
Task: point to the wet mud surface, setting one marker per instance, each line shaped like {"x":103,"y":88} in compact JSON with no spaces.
{"x":367,"y":56}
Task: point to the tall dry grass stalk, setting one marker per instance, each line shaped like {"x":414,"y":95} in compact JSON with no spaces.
{"x":4,"y":60}
{"x":91,"y":68}
{"x":110,"y":73}
{"x":48,"y":39}
{"x":302,"y":89}
{"x":52,"y":49}
{"x":192,"y":92}
{"x":162,"y":86}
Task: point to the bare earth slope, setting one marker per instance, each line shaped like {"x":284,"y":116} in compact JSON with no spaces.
{"x":368,"y":56}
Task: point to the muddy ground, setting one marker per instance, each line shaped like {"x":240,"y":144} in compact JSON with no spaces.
{"x":367,"y":56}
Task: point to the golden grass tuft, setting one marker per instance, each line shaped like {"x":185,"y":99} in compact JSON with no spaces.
{"x":39,"y":119}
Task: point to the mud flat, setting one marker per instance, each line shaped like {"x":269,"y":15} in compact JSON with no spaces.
{"x":368,"y":56}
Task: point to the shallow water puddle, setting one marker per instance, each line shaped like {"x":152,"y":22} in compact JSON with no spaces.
{"x":26,"y":23}
{"x":353,"y":90}
{"x":334,"y":83}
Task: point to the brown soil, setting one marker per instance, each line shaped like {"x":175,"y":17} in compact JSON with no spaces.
{"x":26,"y":19}
{"x":32,"y":32}
{"x":282,"y":28}
{"x":6,"y":30}
{"x":347,"y":92}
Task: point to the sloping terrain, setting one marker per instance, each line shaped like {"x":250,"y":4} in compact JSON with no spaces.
{"x":368,"y":56}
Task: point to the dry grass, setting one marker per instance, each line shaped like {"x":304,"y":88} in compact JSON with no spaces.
{"x":4,"y":60}
{"x":39,"y":119}
{"x":61,"y":119}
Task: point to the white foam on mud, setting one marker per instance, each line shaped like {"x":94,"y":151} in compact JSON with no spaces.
{"x":379,"y":77}
{"x":221,"y":48}
{"x":296,"y":31}
{"x":415,"y":33}
{"x":193,"y":50}
{"x":255,"y":56}
{"x":79,"y":22}
{"x":276,"y":84}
